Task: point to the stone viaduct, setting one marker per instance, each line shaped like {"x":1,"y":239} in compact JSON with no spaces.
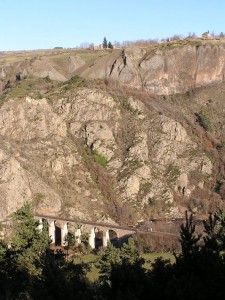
{"x":97,"y":232}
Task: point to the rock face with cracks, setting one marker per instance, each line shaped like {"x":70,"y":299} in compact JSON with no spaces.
{"x":164,"y":69}
{"x":52,"y":153}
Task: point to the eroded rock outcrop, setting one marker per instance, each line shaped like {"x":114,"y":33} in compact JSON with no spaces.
{"x":165,"y":69}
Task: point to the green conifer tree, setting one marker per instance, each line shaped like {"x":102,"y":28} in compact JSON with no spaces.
{"x":105,"y":43}
{"x":110,"y":46}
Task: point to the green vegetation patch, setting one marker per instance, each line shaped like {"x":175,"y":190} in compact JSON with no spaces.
{"x":35,"y":87}
{"x":92,"y":260}
{"x":20,"y":89}
{"x":100,"y":159}
{"x":204,"y":121}
{"x":151,"y":257}
{"x":75,"y":82}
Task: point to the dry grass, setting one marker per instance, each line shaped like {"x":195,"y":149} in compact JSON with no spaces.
{"x":90,"y":55}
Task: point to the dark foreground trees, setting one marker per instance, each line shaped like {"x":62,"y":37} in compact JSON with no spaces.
{"x":199,"y":271}
{"x":29,"y":269}
{"x":21,"y":261}
{"x":122,"y":275}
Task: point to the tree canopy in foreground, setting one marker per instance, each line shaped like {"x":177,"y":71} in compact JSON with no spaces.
{"x":29,"y":269}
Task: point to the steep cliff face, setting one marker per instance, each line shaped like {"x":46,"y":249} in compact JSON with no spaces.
{"x":164,"y":69}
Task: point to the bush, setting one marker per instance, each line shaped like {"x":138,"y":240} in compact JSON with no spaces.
{"x":84,"y":248}
{"x":47,"y":78}
{"x":75,"y":82}
{"x":204,"y":121}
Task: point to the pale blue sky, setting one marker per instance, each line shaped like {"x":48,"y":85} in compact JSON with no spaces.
{"x":41,"y":24}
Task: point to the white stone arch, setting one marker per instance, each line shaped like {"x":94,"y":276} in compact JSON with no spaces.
{"x":99,"y":236}
{"x":61,"y":230}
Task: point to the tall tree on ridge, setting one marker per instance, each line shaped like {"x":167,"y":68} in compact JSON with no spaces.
{"x":105,"y":44}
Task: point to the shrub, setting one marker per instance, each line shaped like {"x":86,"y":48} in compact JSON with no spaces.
{"x":75,"y":82}
{"x":47,"y":78}
{"x":84,"y":248}
{"x":203,"y":120}
{"x":152,"y":201}
{"x":218,"y":186}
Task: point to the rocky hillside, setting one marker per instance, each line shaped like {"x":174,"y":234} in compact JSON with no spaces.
{"x":101,"y":150}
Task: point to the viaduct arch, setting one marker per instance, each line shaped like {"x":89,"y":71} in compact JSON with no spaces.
{"x":99,"y":234}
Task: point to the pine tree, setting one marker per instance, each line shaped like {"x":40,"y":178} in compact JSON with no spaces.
{"x":105,"y":43}
{"x":215,"y":232}
{"x":110,"y":46}
{"x":29,"y":244}
{"x":109,"y":258}
{"x":29,"y":269}
{"x":188,"y":238}
{"x":21,"y":263}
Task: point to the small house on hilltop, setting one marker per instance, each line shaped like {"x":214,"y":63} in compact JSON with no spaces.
{"x":206,"y":34}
